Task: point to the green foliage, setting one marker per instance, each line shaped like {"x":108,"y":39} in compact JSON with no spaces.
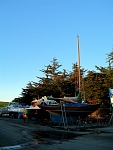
{"x":96,"y":87}
{"x":58,"y":83}
{"x":3,"y":104}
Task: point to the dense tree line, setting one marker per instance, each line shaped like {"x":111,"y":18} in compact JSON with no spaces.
{"x":94,"y":85}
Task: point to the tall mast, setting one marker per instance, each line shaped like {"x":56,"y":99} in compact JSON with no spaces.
{"x":78,"y":46}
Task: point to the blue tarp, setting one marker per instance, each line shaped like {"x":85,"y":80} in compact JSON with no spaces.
{"x":111,"y":96}
{"x":75,"y":104}
{"x":110,"y":93}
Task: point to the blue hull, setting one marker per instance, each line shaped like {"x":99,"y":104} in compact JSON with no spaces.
{"x":58,"y":119}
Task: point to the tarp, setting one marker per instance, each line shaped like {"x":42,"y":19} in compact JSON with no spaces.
{"x":79,"y":96}
{"x":111,"y":95}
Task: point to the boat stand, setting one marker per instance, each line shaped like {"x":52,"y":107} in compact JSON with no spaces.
{"x":111,"y":118}
{"x":64,"y":117}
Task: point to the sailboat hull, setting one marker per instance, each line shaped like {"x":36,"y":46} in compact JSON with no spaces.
{"x":71,"y":111}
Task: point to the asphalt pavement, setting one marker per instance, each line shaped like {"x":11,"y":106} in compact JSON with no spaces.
{"x":16,"y":134}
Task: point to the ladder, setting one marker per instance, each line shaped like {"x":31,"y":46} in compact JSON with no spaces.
{"x":64,"y":117}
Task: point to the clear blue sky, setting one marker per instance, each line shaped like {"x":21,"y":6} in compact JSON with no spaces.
{"x":32,"y":32}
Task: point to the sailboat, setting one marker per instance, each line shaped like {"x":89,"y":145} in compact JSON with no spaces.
{"x":70,"y":108}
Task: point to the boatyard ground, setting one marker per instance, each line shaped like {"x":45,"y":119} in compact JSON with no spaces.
{"x":17,"y":134}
